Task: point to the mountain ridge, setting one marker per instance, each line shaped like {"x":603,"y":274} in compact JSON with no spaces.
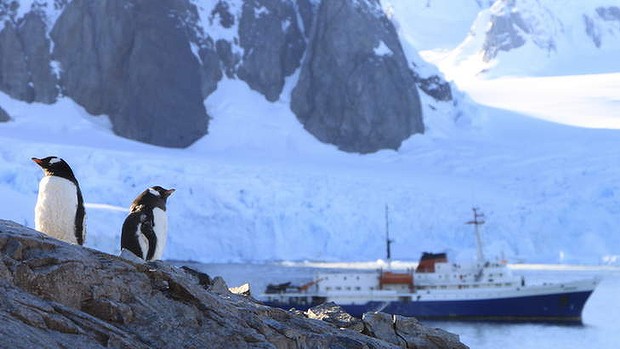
{"x":149,"y":65}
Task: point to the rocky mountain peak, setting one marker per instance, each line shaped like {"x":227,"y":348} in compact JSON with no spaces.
{"x":149,"y":64}
{"x":355,"y":88}
{"x":514,"y":22}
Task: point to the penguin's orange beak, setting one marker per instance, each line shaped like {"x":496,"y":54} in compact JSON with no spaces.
{"x":169,"y":192}
{"x":37,"y":161}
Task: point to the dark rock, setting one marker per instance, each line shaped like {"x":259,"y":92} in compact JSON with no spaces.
{"x":8,"y":9}
{"x":355,"y":88}
{"x":14,"y":70}
{"x":4,"y":116}
{"x":592,"y":30}
{"x":510,"y":30}
{"x":504,"y":34}
{"x":203,"y":279}
{"x":108,"y":310}
{"x":32,"y":32}
{"x":222,"y":12}
{"x":435,"y":86}
{"x":219,"y":286}
{"x":210,"y":70}
{"x":54,"y":293}
{"x":203,"y":44}
{"x":132,"y":60}
{"x":227,"y":57}
{"x":381,"y":325}
{"x":273,"y":45}
{"x":609,"y":14}
{"x":421,"y":337}
{"x":307,"y":9}
{"x":25,"y":69}
{"x":130,"y":256}
{"x":407,"y":332}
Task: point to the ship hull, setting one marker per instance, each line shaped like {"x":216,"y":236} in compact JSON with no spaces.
{"x":560,"y":307}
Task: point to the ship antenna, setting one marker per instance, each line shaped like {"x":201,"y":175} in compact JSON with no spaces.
{"x":478,"y":221}
{"x":388,"y":241}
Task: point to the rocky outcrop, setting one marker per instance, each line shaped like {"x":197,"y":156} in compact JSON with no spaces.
{"x":272,"y":43}
{"x":355,"y":89}
{"x":514,"y":22}
{"x":131,"y":60}
{"x":606,"y":14}
{"x":407,"y":332}
{"x":210,"y":70}
{"x":504,"y":33}
{"x":4,"y":116}
{"x":36,"y":46}
{"x":335,"y":315}
{"x":435,"y":86}
{"x":14,"y":77}
{"x":404,"y":332}
{"x":54,"y":293}
{"x":609,"y":14}
{"x":25,"y":64}
{"x":149,"y":64}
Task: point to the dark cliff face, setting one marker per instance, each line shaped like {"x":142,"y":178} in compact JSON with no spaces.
{"x":273,"y":45}
{"x":132,"y":60}
{"x":3,"y":115}
{"x":505,"y":32}
{"x":606,"y":14}
{"x":355,"y":88}
{"x":14,"y":77}
{"x":25,"y":71}
{"x":149,"y":64}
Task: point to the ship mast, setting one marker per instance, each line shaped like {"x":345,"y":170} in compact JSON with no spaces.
{"x":478,"y":221}
{"x":388,"y":241}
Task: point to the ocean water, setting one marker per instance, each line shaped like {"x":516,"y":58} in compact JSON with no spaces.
{"x":601,"y":315}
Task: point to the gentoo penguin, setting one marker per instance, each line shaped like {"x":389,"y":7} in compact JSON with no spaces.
{"x":59,"y":211}
{"x":146,"y":228}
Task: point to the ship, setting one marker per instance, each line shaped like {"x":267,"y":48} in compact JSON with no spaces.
{"x":438,"y":289}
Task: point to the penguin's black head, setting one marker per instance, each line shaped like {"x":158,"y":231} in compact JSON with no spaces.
{"x":152,"y":197}
{"x":160,"y":192}
{"x":55,"y":166}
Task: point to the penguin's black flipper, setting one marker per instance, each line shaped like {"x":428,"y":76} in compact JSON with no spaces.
{"x":147,"y":221}
{"x":129,"y":235}
{"x":80,"y":214}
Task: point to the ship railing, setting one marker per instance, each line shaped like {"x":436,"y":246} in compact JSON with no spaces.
{"x":467,"y":286}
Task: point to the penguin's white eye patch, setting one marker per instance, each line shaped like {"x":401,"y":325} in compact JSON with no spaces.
{"x":55,"y":161}
{"x":154,"y":192}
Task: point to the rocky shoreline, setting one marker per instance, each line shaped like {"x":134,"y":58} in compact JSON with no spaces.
{"x":57,"y":295}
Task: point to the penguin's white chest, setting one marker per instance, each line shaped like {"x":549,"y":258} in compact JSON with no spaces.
{"x":54,"y":213}
{"x":160,"y":228}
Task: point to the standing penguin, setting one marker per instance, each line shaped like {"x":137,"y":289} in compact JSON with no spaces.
{"x":146,"y":228}
{"x":59,"y":211}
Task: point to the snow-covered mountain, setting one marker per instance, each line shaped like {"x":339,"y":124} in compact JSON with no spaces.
{"x":261,"y":187}
{"x":149,"y":65}
{"x":554,"y":37}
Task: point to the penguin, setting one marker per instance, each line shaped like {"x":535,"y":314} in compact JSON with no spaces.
{"x":146,"y":227}
{"x":59,"y":211}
